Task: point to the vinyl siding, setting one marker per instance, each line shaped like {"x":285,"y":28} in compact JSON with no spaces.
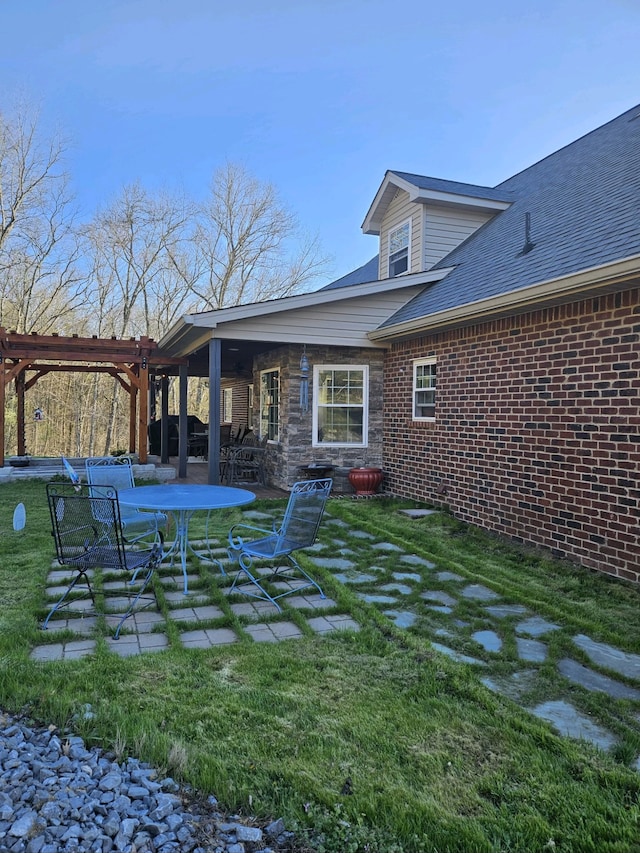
{"x":332,"y":324}
{"x":398,"y":212}
{"x":446,"y":228}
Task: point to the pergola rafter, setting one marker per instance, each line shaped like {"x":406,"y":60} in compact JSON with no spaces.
{"x":128,"y":361}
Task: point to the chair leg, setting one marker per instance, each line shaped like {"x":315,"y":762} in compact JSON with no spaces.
{"x":81,"y":575}
{"x":132,"y":606}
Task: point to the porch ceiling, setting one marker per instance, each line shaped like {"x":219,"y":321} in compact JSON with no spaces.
{"x":236,"y":358}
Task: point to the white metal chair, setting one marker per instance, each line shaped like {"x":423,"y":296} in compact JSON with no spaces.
{"x":89,"y":535}
{"x":116,"y":472}
{"x":298,"y":529}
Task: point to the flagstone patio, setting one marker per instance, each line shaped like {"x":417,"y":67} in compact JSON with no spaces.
{"x":509,"y":645}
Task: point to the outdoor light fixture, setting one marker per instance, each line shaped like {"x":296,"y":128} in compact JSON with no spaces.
{"x":304,"y":381}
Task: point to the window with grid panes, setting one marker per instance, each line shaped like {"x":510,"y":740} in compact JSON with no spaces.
{"x":424,"y":389}
{"x":399,"y":240}
{"x":340,"y":405}
{"x":270,"y":404}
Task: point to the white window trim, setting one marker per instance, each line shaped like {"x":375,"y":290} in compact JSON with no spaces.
{"x":418,"y":362}
{"x":277,"y":370}
{"x":365,"y":404}
{"x":400,"y":225}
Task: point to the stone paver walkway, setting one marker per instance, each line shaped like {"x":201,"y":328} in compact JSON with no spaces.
{"x":512,"y":648}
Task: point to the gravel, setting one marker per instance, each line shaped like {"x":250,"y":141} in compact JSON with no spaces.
{"x":57,"y":796}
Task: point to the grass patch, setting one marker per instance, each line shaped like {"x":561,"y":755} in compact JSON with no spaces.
{"x":364,"y":741}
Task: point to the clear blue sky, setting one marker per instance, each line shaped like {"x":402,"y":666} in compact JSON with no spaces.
{"x":319,"y":97}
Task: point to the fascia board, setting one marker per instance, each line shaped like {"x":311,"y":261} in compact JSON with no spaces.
{"x":210,"y":319}
{"x":514,"y":300}
{"x":422,"y":196}
{"x":373,"y":219}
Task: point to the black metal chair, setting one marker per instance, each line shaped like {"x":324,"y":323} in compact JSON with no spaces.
{"x":89,"y":535}
{"x":298,"y":529}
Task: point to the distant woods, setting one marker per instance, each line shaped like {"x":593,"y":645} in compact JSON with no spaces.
{"x":142,"y":261}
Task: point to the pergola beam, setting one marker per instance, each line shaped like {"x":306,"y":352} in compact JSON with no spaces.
{"x":123,"y":359}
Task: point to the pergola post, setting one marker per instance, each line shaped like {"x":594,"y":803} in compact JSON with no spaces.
{"x":2,"y":396}
{"x":19,"y":383}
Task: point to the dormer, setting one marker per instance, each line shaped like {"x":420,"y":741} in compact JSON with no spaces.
{"x":420,"y":220}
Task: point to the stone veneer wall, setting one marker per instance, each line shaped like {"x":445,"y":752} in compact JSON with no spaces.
{"x":295,"y":445}
{"x":537,"y":431}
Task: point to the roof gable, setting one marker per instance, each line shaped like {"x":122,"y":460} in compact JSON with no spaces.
{"x":582,"y":204}
{"x":423,"y":189}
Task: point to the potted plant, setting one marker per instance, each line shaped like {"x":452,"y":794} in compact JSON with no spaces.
{"x":365,"y":480}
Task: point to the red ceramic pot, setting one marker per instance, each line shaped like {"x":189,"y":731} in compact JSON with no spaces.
{"x":365,"y":481}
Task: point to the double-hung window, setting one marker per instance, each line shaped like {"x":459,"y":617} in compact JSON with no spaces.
{"x":399,"y":240}
{"x":340,"y":409}
{"x":270,"y":404}
{"x":424,"y":389}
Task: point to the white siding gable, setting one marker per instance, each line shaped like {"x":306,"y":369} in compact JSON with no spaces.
{"x":435,"y":230}
{"x":399,"y":211}
{"x":447,"y":227}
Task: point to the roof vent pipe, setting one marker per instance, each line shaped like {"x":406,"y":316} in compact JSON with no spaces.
{"x":528,"y":245}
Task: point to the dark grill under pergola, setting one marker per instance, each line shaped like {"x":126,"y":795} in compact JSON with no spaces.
{"x":26,"y":358}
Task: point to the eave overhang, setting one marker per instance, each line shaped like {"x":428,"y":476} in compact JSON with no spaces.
{"x":194,"y":330}
{"x":420,"y":195}
{"x":601,"y":279}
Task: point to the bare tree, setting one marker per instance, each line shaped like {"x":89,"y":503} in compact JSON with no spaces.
{"x":39,"y":277}
{"x":247,"y":245}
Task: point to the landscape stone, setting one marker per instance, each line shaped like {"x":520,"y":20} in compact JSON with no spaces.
{"x":355,"y":577}
{"x":417,"y":513}
{"x":531,"y":650}
{"x":415,"y":560}
{"x":489,"y":640}
{"x":439,"y":596}
{"x":449,"y":576}
{"x":571,"y":723}
{"x":376,"y":599}
{"x":513,"y":686}
{"x":594,"y":681}
{"x":407,"y":576}
{"x":387,"y":546}
{"x":536,"y":627}
{"x":457,"y":656}
{"x":400,"y":588}
{"x":333,"y":563}
{"x":478,"y":592}
{"x":503,"y":611}
{"x":401,"y":618}
{"x":610,"y":657}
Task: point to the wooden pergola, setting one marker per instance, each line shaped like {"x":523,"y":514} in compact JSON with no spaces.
{"x":129,"y":361}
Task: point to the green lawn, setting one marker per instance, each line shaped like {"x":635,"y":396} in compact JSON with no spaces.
{"x":363,"y":741}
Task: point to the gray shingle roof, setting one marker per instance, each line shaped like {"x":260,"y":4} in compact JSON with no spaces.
{"x":584,"y":207}
{"x":424,"y":182}
{"x":367,"y":272}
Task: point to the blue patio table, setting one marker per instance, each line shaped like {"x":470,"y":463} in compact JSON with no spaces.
{"x":181,"y":501}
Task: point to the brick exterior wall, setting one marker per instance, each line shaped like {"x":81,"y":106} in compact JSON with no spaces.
{"x":295,"y":445}
{"x":537,"y":429}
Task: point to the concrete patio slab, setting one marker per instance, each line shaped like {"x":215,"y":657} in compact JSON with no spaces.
{"x":204,"y":638}
{"x":334,"y":622}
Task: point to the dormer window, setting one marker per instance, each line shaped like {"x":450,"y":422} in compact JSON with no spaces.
{"x":399,"y":240}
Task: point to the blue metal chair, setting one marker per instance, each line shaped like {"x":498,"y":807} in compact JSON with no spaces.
{"x":88,"y":534}
{"x":298,"y":530}
{"x":105,"y":473}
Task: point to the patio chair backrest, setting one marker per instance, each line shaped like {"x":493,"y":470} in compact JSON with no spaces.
{"x":87,"y":529}
{"x":116,"y":472}
{"x":303,"y":515}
